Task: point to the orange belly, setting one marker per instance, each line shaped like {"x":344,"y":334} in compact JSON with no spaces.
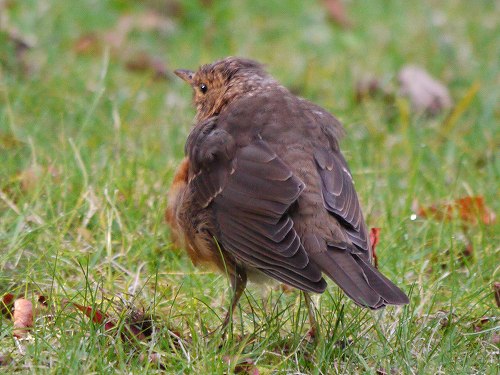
{"x":201,"y":251}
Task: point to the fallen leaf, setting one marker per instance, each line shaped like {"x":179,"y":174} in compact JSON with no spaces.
{"x":374,"y":238}
{"x":141,"y":62}
{"x":41,"y":307}
{"x":479,"y":324}
{"x":96,"y":315}
{"x":245,"y":366}
{"x":88,"y":44}
{"x":496,"y":290}
{"x":23,"y":317}
{"x":7,"y":304}
{"x":337,"y":13}
{"x":426,"y":94}
{"x":366,"y":88}
{"x":311,"y":335}
{"x":139,"y":323}
{"x":470,"y":210}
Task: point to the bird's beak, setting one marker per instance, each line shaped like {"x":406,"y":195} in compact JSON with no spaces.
{"x":186,"y":75}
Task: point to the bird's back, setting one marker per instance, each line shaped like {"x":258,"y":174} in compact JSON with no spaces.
{"x":326,"y":216}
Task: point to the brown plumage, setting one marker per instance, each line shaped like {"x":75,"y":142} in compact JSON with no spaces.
{"x":264,"y":176}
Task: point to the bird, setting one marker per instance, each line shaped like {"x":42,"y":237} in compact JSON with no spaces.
{"x":264,"y":192}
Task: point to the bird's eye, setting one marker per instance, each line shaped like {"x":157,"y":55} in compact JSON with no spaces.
{"x":203,"y":88}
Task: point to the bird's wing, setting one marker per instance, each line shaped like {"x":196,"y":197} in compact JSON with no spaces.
{"x":340,"y":198}
{"x":350,"y":266}
{"x":249,"y":191}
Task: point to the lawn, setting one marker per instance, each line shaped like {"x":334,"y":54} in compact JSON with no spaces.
{"x":93,"y":124}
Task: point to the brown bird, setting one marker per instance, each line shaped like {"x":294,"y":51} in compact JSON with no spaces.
{"x":265,"y":191}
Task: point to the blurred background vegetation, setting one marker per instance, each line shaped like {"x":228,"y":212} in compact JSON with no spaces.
{"x":92,"y":126}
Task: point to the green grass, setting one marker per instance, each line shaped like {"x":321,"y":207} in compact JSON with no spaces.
{"x":88,"y":149}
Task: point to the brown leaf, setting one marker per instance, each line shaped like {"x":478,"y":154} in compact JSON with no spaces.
{"x":142,"y":62}
{"x":479,"y":324}
{"x":96,"y":315}
{"x":311,"y":335}
{"x":366,"y":88}
{"x":7,"y":304}
{"x":23,"y":317}
{"x":139,"y":324}
{"x":496,"y":290}
{"x":245,"y":366}
{"x":374,"y":238}
{"x":426,"y":94}
{"x":88,"y":44}
{"x":337,"y":13}
{"x":42,"y":306}
{"x":470,"y":210}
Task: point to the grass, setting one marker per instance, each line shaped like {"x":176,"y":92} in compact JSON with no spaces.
{"x":88,"y":148}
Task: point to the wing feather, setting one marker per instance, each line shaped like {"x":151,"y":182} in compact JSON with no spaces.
{"x":249,"y":191}
{"x":339,"y":196}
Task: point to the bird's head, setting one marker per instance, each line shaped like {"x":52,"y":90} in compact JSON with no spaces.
{"x":216,"y":85}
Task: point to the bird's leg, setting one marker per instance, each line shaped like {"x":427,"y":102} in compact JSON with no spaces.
{"x":314,"y":330}
{"x":238,"y":284}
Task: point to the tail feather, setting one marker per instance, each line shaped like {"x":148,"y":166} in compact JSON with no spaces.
{"x":349,"y":276}
{"x":389,"y":292}
{"x":364,"y":284}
